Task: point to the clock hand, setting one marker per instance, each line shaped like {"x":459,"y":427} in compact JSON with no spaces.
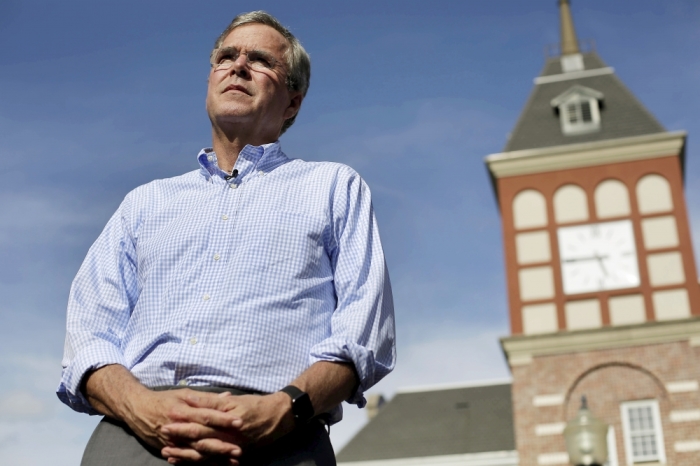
{"x":583,"y":259}
{"x":602,"y":266}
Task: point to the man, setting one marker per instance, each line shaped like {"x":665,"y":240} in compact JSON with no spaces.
{"x":223,"y":315}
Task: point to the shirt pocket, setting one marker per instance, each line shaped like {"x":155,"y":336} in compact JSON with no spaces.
{"x":280,"y":244}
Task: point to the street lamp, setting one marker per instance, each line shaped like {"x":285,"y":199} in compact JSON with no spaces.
{"x":586,"y":438}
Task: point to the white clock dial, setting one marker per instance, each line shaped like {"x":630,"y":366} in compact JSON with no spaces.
{"x":599,"y":256}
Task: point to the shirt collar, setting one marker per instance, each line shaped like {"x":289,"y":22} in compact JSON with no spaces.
{"x":252,"y":158}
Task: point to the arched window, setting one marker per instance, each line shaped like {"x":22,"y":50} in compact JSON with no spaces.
{"x":570,"y":204}
{"x":529,"y":209}
{"x":654,"y":194}
{"x":611,"y":199}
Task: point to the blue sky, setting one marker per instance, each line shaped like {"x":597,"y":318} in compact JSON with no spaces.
{"x":98,"y":97}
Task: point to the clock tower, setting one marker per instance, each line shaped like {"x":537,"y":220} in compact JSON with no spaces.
{"x":602,"y":285}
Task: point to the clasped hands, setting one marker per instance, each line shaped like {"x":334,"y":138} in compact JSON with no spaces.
{"x":192,"y":426}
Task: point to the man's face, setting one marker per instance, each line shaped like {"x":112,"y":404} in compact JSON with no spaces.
{"x":252,"y":99}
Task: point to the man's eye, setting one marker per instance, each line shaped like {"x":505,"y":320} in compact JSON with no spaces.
{"x":259,"y":59}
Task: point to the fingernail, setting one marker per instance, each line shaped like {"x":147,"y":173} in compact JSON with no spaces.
{"x":237,"y":423}
{"x":165,"y":430}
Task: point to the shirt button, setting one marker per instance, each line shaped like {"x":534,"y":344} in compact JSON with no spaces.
{"x":182,"y":382}
{"x":217,"y":257}
{"x":261,"y":173}
{"x":233,"y":186}
{"x":193,"y":341}
{"x":211,"y":158}
{"x":206,"y":297}
{"x":224,"y":217}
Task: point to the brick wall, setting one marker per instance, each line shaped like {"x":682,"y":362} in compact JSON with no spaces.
{"x":608,"y":378}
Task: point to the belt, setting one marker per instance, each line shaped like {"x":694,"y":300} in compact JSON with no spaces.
{"x":207,"y":388}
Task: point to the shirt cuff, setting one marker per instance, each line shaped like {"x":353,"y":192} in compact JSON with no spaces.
{"x":368,"y":369}
{"x":90,"y":358}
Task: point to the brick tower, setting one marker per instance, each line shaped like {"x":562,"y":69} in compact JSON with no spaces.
{"x":603,"y":291}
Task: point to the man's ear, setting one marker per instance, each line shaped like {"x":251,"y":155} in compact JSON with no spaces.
{"x":294,"y":105}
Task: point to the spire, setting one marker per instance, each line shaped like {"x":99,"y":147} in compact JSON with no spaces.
{"x":569,"y":42}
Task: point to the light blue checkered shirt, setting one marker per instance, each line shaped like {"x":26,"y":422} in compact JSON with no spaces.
{"x":246,"y":282}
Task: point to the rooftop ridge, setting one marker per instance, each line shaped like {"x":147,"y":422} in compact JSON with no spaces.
{"x":453,"y":385}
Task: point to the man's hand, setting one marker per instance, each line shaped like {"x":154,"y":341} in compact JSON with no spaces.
{"x":113,"y":391}
{"x":263,"y":419}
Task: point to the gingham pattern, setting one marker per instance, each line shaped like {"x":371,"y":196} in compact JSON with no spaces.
{"x":201,"y":281}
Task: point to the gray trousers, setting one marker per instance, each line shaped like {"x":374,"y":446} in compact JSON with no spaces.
{"x":113,"y":443}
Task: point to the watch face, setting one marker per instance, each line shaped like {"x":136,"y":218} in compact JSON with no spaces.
{"x":597,"y":257}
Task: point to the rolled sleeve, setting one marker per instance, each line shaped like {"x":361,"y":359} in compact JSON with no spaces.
{"x":100,"y":303}
{"x":362,"y":325}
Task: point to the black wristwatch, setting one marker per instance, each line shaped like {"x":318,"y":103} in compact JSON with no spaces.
{"x":302,"y":409}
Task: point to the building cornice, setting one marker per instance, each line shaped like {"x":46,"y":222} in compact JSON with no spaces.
{"x":529,"y":161}
{"x":521,"y":349}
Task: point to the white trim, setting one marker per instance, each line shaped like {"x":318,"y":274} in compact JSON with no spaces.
{"x":554,"y":399}
{"x":451,"y":386}
{"x":612,"y":447}
{"x":687,"y":446}
{"x":574,"y":75}
{"x":492,"y":458}
{"x":556,"y":428}
{"x":694,"y":341}
{"x":585,"y":154}
{"x":685,"y":415}
{"x":658,"y":431}
{"x":603,"y":338}
{"x":521,"y":360}
{"x":683,"y":386}
{"x":546,"y":459}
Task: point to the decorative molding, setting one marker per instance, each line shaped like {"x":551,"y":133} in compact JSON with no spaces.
{"x":528,"y":161}
{"x":687,"y":415}
{"x":521,"y":360}
{"x":547,"y":459}
{"x":683,"y":386}
{"x":557,"y":428}
{"x":493,"y":458}
{"x":563,"y":342}
{"x":574,"y":75}
{"x":548,"y":400}
{"x":687,"y":446}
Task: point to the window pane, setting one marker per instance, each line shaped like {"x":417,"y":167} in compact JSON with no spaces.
{"x":643,"y":446}
{"x":571,"y":110}
{"x":586,"y":111}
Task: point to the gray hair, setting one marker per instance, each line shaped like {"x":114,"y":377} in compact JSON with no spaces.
{"x":297,"y":59}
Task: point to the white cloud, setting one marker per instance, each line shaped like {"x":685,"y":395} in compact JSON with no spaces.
{"x":21,"y":405}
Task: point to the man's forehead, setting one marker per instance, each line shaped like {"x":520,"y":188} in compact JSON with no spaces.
{"x":256,"y":35}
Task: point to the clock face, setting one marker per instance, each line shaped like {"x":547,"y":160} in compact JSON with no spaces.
{"x":599,"y":256}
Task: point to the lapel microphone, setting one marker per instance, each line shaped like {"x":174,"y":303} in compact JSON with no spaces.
{"x":233,"y":174}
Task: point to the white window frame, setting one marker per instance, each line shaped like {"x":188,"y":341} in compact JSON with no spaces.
{"x":658,"y":431}
{"x":612,"y":448}
{"x":579,"y":126}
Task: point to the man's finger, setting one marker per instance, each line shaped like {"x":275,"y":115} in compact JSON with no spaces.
{"x":203,"y":449}
{"x":205,"y":416}
{"x":221,"y":402}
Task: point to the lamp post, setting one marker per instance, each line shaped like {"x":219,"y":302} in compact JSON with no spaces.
{"x":586,"y":438}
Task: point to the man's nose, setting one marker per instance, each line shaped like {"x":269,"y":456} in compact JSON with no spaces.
{"x":240,"y":65}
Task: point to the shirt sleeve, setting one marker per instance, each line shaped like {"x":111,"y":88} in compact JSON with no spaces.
{"x":362,"y":325}
{"x":101,"y":299}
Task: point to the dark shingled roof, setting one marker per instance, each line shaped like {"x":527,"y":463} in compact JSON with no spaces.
{"x":440,"y":422}
{"x":622,"y":114}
